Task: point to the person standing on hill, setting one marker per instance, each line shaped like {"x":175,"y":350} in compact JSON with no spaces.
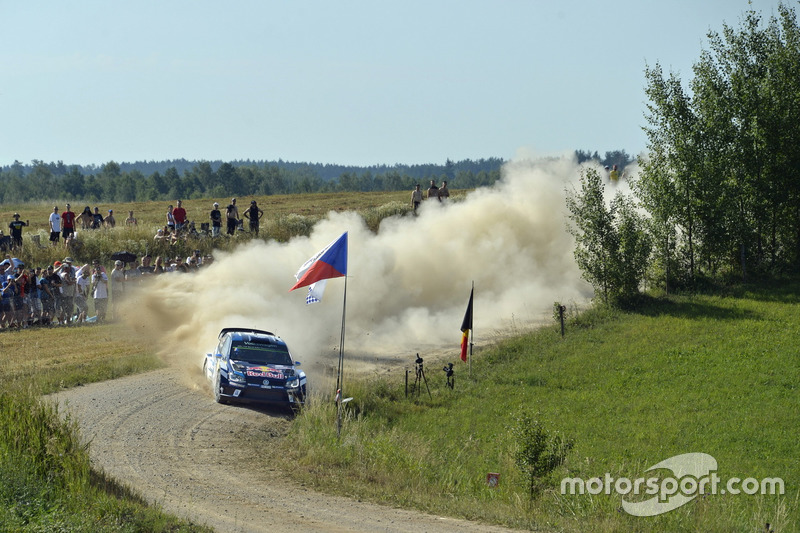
{"x":179,"y":213}
{"x":110,"y":221}
{"x":416,"y":198}
{"x":444,"y":192}
{"x":232,"y":214}
{"x":55,"y":226}
{"x":67,"y":223}
{"x":131,"y":220}
{"x":433,"y":191}
{"x":97,"y":218}
{"x":253,"y":214}
{"x":16,"y":226}
{"x":86,"y":219}
{"x":170,"y":219}
{"x":216,"y":220}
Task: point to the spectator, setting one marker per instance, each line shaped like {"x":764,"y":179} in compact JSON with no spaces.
{"x":170,"y":219}
{"x":130,"y":221}
{"x":614,"y":175}
{"x":37,"y":310}
{"x":97,"y":218}
{"x":179,"y":214}
{"x":67,"y":275}
{"x":99,"y":291}
{"x":145,"y":267}
{"x":67,"y":223}
{"x":158,"y":267}
{"x":55,"y":226}
{"x":117,"y":287}
{"x":444,"y":192}
{"x":433,"y":191}
{"x":82,"y":283}
{"x":19,"y":298}
{"x":86,"y":218}
{"x":29,"y":286}
{"x":47,"y":296}
{"x":416,"y":198}
{"x":232,"y":214}
{"x":216,"y":220}
{"x":8,"y":287}
{"x":253,"y":214}
{"x":16,"y":226}
{"x":55,"y":288}
{"x":110,"y":221}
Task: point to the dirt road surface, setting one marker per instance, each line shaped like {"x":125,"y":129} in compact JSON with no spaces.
{"x":171,"y":443}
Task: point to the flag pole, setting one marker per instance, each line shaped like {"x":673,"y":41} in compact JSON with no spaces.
{"x":472,"y":329}
{"x":340,"y":370}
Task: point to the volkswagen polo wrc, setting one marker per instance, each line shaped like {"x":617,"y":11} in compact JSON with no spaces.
{"x":254,"y":366}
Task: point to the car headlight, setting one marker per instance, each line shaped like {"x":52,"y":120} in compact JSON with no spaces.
{"x":236,"y":378}
{"x":293,"y":383}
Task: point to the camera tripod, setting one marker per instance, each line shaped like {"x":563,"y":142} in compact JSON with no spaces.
{"x":451,"y":380}
{"x":420,"y":377}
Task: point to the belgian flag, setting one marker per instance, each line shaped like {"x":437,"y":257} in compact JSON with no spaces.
{"x":466,"y":327}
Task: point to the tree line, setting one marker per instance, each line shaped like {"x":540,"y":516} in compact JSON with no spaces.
{"x":148,"y":181}
{"x":720,"y":182}
{"x":169,"y":180}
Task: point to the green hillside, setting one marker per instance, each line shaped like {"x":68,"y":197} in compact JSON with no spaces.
{"x":711,"y":374}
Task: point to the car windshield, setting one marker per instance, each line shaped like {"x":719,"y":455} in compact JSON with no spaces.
{"x":261,"y":353}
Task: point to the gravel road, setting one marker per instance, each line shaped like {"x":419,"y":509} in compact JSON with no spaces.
{"x":171,"y":443}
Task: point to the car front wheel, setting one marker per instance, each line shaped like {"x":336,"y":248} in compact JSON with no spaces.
{"x":217,"y":392}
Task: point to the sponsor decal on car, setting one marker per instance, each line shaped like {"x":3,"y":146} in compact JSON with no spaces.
{"x":264,"y":372}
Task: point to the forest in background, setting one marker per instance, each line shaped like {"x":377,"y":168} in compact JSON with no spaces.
{"x":170,"y":180}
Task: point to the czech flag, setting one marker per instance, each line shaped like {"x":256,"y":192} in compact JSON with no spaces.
{"x":330,"y":262}
{"x":466,"y":327}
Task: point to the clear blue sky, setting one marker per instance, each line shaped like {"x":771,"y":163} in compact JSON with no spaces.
{"x":349,"y":82}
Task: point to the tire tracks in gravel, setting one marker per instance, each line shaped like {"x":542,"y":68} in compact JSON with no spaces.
{"x":179,"y":449}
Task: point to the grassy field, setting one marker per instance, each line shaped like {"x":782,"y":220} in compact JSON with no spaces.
{"x":711,"y":374}
{"x":284,"y":217}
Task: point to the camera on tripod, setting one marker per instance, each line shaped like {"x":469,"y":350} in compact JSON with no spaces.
{"x":449,"y":372}
{"x":420,"y":377}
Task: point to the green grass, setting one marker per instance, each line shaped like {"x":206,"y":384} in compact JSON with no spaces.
{"x":46,"y":483}
{"x":712,"y":374}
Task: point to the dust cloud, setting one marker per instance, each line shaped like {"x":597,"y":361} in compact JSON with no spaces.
{"x":407,"y":286}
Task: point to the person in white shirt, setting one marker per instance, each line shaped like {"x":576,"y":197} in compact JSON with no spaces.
{"x":82,"y":283}
{"x":55,"y":226}
{"x":100,"y":292}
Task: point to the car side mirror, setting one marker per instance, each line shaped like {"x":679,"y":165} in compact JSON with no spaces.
{"x":218,"y":355}
{"x":297,"y":363}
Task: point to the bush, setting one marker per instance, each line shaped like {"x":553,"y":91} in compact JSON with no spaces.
{"x":537,"y":453}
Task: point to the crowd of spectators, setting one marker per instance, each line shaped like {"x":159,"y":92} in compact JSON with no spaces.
{"x":64,"y":293}
{"x":62,"y":226}
{"x":60,"y":294}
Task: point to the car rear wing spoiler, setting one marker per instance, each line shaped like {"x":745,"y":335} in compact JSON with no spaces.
{"x":246,"y":330}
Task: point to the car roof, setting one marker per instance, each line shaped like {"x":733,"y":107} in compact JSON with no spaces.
{"x":246,"y":334}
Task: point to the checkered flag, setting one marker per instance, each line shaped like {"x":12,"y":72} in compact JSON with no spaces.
{"x":315,"y":291}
